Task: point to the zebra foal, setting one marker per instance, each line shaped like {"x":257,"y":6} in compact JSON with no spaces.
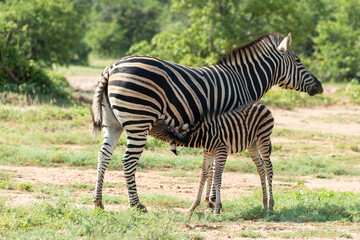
{"x":247,"y":127}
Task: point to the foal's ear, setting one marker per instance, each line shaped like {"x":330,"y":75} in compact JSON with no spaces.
{"x":285,"y":43}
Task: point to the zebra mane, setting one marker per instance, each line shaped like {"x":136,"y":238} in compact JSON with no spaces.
{"x":275,"y":38}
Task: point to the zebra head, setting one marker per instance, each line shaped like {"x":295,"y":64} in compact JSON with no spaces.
{"x":293,"y":74}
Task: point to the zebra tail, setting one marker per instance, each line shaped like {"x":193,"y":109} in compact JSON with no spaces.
{"x":97,"y":103}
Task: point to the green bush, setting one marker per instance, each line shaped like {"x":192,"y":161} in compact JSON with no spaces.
{"x":337,"y":47}
{"x":39,"y":85}
{"x":37,"y":34}
{"x":206,"y":30}
{"x":115,"y":25}
{"x":351,"y":91}
{"x":46,"y":31}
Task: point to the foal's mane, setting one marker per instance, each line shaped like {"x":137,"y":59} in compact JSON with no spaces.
{"x":276,"y":38}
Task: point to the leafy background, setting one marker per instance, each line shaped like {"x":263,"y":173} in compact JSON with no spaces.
{"x":37,"y":35}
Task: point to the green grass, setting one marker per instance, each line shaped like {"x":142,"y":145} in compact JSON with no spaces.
{"x":66,"y":219}
{"x":6,"y":182}
{"x":250,"y":234}
{"x":298,"y":205}
{"x":291,"y":99}
{"x":53,"y":136}
{"x":328,"y":233}
{"x":345,"y":93}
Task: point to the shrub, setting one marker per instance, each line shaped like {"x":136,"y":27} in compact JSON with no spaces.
{"x":337,"y":46}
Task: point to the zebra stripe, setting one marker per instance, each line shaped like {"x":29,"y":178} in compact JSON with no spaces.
{"x":247,"y":127}
{"x":137,"y":91}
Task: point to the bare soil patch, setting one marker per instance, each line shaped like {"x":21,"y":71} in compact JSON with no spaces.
{"x":154,"y":182}
{"x":83,"y":83}
{"x":342,"y":119}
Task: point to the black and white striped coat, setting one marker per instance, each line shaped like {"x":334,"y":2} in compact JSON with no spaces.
{"x":135,"y":92}
{"x":247,"y":127}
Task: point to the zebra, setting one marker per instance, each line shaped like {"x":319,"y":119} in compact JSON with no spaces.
{"x":135,"y":92}
{"x":246,"y":127}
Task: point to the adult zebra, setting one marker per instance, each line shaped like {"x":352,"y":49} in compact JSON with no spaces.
{"x":136,"y":91}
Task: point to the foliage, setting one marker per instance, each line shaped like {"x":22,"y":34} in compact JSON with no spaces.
{"x":47,"y":32}
{"x":323,"y":32}
{"x":115,"y":25}
{"x":351,"y":91}
{"x":38,"y":85}
{"x":337,"y":46}
{"x":209,"y":29}
{"x":35,"y":34}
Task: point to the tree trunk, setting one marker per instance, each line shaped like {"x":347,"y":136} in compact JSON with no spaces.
{"x":10,"y":73}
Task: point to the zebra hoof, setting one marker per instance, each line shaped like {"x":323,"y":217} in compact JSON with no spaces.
{"x":189,"y":212}
{"x":140,"y":207}
{"x":217,"y":211}
{"x":210,"y":204}
{"x":98,"y":203}
{"x":218,"y":208}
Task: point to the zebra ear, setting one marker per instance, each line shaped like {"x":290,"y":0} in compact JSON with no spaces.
{"x":285,"y":43}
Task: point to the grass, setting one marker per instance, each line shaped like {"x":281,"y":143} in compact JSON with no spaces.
{"x":345,"y":93}
{"x":328,"y":233}
{"x":250,"y":234}
{"x":65,"y":219}
{"x":53,"y":136}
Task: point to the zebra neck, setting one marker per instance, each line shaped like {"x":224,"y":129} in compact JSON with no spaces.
{"x":256,"y":68}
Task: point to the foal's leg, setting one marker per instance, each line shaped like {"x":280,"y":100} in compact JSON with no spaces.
{"x":254,"y":153}
{"x":265,"y":152}
{"x":220,"y":160}
{"x":210,"y":194}
{"x":111,"y":137}
{"x":207,"y":165}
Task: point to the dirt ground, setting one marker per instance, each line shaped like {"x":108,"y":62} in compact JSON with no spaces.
{"x":234,"y":184}
{"x":343,"y":119}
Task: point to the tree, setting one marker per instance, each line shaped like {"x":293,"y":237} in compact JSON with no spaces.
{"x":36,"y":34}
{"x":208,"y":29}
{"x":46,"y":31}
{"x":337,"y":46}
{"x":115,"y":25}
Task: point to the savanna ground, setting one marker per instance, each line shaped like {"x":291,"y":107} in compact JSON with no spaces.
{"x":48,"y":170}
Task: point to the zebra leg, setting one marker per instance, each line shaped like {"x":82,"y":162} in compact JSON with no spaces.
{"x":135,"y":145}
{"x":207,"y":165}
{"x":265,"y":152}
{"x":220,"y":160}
{"x":210,"y":195}
{"x":210,"y":204}
{"x":254,"y":153}
{"x":111,"y":137}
